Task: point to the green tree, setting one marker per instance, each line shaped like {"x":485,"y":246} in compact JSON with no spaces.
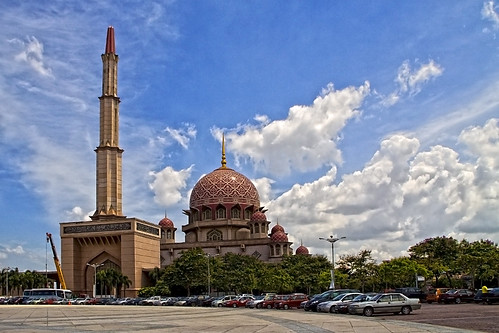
{"x":400,"y":272}
{"x":237,"y":273}
{"x":187,"y":271}
{"x":361,"y":269}
{"x":480,"y":260}
{"x":438,"y":255}
{"x":305,"y":271}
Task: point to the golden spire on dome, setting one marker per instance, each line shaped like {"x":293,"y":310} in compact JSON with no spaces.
{"x":224,"y":162}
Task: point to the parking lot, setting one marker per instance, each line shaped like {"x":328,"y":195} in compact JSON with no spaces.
{"x":115,"y":318}
{"x":480,"y":317}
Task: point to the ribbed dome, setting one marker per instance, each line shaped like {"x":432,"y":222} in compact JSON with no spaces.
{"x":276,"y":228}
{"x":166,"y":223}
{"x":279,"y":237}
{"x":258,"y":217}
{"x":302,"y":250}
{"x":224,"y":185}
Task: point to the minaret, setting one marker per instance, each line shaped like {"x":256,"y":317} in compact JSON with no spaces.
{"x":109,"y":154}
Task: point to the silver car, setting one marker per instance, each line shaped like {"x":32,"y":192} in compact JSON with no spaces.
{"x":385,"y":303}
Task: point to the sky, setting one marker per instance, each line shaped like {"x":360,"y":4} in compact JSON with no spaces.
{"x":376,"y":121}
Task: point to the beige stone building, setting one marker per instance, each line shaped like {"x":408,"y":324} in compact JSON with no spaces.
{"x":224,"y":214}
{"x":110,"y":239}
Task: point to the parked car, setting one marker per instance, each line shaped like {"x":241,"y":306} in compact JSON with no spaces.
{"x":491,"y":296}
{"x":291,"y":301}
{"x":255,"y":303}
{"x":238,"y":302}
{"x":270,"y":301}
{"x":412,"y":292}
{"x":457,"y":296}
{"x":343,"y":306}
{"x":330,"y":306}
{"x":385,"y":303}
{"x":220,"y":302}
{"x":434,"y":295}
{"x":311,"y":305}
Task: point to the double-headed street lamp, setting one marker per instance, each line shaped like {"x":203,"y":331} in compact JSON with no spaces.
{"x":209,"y":272}
{"x":95,"y":277}
{"x":331,"y":239}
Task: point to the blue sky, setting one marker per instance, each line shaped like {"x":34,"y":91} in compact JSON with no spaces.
{"x":376,"y":121}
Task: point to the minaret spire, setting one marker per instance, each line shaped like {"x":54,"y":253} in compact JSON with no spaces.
{"x":109,"y":154}
{"x":224,"y":162}
{"x":110,"y":46}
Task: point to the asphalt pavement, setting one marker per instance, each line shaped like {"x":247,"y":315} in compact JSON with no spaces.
{"x":116,"y":318}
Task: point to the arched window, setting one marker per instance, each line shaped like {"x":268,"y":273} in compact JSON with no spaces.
{"x":221,"y":212}
{"x":251,"y":228}
{"x":257,"y":228}
{"x":168,"y":234}
{"x":195,"y":216}
{"x":214,"y":235}
{"x":235,"y":212}
{"x":247,"y":214}
{"x":271,"y":250}
{"x":264,"y":227}
{"x":207,"y":214}
{"x":278,"y":250}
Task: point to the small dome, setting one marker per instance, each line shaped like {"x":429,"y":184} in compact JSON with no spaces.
{"x":276,"y":228}
{"x":279,"y":237}
{"x":258,"y":217}
{"x":166,"y":223}
{"x":302,"y":250}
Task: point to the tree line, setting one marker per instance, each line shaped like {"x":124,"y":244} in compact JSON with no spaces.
{"x":440,"y":262}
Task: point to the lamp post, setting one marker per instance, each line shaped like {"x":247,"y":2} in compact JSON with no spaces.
{"x":95,"y":277}
{"x":332,"y":240}
{"x":7,"y":280}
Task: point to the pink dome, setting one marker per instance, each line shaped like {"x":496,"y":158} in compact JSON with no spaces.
{"x":258,"y":217}
{"x":302,"y":250}
{"x":166,"y":223}
{"x":279,"y":237}
{"x":224,"y":185}
{"x":276,"y":228}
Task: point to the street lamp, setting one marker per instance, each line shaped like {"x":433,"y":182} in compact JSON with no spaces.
{"x":95,"y":277}
{"x":7,"y":280}
{"x":209,"y":272}
{"x":332,"y":240}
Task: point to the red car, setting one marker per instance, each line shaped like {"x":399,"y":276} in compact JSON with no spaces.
{"x":238,"y":302}
{"x":272,"y":301}
{"x":291,"y":301}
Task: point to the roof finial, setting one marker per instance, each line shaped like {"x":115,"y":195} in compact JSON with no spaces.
{"x":224,"y":162}
{"x":110,"y":47}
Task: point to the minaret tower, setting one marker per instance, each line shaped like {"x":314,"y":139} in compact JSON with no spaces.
{"x":109,"y":154}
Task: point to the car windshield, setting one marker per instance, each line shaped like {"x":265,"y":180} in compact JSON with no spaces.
{"x":452,"y":291}
{"x":376,"y":297}
{"x":339,"y":297}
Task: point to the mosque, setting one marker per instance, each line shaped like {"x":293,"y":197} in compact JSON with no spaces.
{"x":224,"y":214}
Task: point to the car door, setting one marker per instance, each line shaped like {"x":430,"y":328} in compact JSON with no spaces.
{"x":383,"y":304}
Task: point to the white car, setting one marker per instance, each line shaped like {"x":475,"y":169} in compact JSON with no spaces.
{"x":385,"y":303}
{"x":330,"y":306}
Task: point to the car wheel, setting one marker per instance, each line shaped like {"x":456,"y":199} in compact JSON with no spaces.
{"x":286,"y":306}
{"x":219,"y":305}
{"x":331,"y":309}
{"x":429,"y":302}
{"x":258,"y":306}
{"x":234,"y":305}
{"x":458,"y":300}
{"x":368,"y":312}
{"x":269,"y":306}
{"x":406,"y":310}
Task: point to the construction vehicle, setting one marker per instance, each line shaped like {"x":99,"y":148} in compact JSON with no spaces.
{"x":56,"y":262}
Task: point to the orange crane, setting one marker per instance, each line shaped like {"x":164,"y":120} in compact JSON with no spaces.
{"x":56,"y":262}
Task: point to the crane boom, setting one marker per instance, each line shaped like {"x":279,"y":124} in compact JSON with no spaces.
{"x":56,"y":262}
